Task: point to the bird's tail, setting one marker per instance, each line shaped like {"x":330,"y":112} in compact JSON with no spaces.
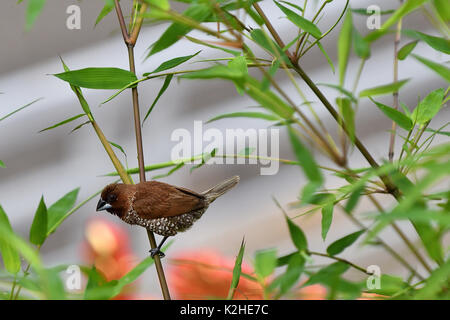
{"x":218,"y":190}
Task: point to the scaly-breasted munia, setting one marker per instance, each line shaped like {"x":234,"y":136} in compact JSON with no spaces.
{"x":160,"y":207}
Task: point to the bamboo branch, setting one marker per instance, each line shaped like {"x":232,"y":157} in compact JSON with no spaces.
{"x":130,"y":42}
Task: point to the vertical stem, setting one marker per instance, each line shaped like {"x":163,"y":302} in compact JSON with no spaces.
{"x":395,"y":94}
{"x":130,"y":42}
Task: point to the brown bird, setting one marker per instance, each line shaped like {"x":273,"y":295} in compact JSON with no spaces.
{"x":160,"y":207}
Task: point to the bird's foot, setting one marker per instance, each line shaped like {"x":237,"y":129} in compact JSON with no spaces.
{"x":156,"y":251}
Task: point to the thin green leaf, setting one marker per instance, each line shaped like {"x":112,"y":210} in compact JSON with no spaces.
{"x":79,"y":126}
{"x":197,"y":11}
{"x":305,"y":159}
{"x":203,"y":43}
{"x":257,"y":115}
{"x":399,"y":118}
{"x":2,"y":164}
{"x":34,"y":8}
{"x":327,"y":218}
{"x":10,"y":256}
{"x":297,"y":235}
{"x":342,"y":90}
{"x":442,"y":9}
{"x":330,"y":62}
{"x":107,"y":8}
{"x":177,"y":167}
{"x":38,"y":231}
{"x":57,"y":211}
{"x":348,"y":114}
{"x":118,"y":147}
{"x":389,"y":285}
{"x":98,"y":78}
{"x":236,"y":271}
{"x":21,"y":108}
{"x":437,"y":43}
{"x":365,"y":12}
{"x":293,"y":272}
{"x":172,"y":63}
{"x":360,"y":45}
{"x":404,"y":52}
{"x":353,"y":199}
{"x":64,"y":122}
{"x":428,"y":107}
{"x":383,"y":90}
{"x":344,"y":45}
{"x":328,"y":274}
{"x":440,"y":69}
{"x":265,"y":262}
{"x":406,"y":8}
{"x":300,"y":21}
{"x":340,"y":245}
{"x":164,"y":87}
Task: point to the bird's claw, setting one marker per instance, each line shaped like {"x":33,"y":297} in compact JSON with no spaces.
{"x":156,"y":251}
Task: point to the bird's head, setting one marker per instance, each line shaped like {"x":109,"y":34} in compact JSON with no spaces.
{"x":114,"y":199}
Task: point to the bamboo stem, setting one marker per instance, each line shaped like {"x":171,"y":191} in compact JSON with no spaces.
{"x":130,"y":42}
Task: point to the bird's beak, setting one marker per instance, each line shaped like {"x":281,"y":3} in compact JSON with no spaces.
{"x":103,"y":205}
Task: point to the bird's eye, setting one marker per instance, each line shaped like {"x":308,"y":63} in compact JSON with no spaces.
{"x":111,"y":197}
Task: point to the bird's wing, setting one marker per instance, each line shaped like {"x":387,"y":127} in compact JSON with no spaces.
{"x":154,"y":199}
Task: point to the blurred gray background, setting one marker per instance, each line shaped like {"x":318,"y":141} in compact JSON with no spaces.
{"x":54,"y":162}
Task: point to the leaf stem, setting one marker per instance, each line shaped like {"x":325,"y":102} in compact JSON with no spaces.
{"x":351,"y":264}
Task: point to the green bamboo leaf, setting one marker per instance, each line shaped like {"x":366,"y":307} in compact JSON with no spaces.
{"x":399,"y":118}
{"x":107,"y":8}
{"x":330,"y":62}
{"x":437,"y":43}
{"x":292,"y":5}
{"x":344,"y":46}
{"x":203,"y":43}
{"x":353,"y":199}
{"x":219,"y":71}
{"x":57,"y":211}
{"x":38,"y":231}
{"x":164,"y":87}
{"x":300,"y":22}
{"x":197,"y":11}
{"x":342,"y":90}
{"x":79,"y":126}
{"x":10,"y":256}
{"x":98,"y":78}
{"x":64,"y":122}
{"x":435,"y":283}
{"x":328,"y":274}
{"x":406,"y":8}
{"x":2,"y":164}
{"x":34,"y":8}
{"x":348,"y":114}
{"x":383,"y":90}
{"x":327,"y":218}
{"x":440,"y":69}
{"x":360,"y":45}
{"x":428,"y":107}
{"x":340,"y":245}
{"x":295,"y":268}
{"x":364,"y":12}
{"x":305,"y":159}
{"x":265,"y":42}
{"x":257,"y":115}
{"x":236,"y":271}
{"x":19,"y":109}
{"x":265,"y":262}
{"x":389,"y":285}
{"x":404,"y":52}
{"x":297,"y":235}
{"x":177,"y":167}
{"x":115,"y":145}
{"x":99,"y":289}
{"x":442,"y":9}
{"x":172,"y":63}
